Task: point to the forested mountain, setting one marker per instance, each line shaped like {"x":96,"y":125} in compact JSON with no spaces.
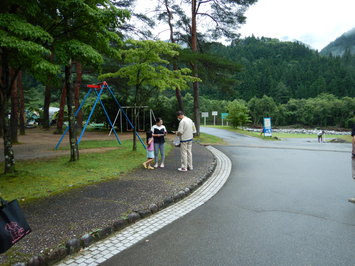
{"x":282,"y":70}
{"x":345,"y":43}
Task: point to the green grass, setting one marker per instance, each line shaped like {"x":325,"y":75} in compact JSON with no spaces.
{"x":244,"y":132}
{"x":91,"y":144}
{"x":207,"y":139}
{"x":36,"y":179}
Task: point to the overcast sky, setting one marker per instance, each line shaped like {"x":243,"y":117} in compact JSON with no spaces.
{"x":314,"y":22}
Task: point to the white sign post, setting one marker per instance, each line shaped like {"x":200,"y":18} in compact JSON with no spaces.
{"x":204,"y":115}
{"x":214,"y":113}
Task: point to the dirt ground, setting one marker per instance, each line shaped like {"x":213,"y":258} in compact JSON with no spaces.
{"x":39,"y":143}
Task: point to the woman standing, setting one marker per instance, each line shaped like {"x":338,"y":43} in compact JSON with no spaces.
{"x":159,"y":131}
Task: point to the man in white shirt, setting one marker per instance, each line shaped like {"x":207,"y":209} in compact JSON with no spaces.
{"x":185,"y":131}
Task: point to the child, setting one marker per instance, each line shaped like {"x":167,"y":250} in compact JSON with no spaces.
{"x":150,"y":151}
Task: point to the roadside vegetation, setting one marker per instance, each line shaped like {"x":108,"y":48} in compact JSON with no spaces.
{"x":36,"y":179}
{"x":206,"y":139}
{"x":279,"y":136}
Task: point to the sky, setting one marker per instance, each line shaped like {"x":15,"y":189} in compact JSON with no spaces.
{"x":313,"y":22}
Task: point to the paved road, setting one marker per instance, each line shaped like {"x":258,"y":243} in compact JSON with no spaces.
{"x":285,"y":203}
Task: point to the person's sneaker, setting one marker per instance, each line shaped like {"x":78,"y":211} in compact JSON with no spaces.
{"x":190,"y":168}
{"x":162,"y":165}
{"x":145,"y":166}
{"x":156,"y":165}
{"x":182,"y":169}
{"x":150,"y":167}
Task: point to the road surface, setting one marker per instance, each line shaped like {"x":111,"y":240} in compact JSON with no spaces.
{"x":285,"y":203}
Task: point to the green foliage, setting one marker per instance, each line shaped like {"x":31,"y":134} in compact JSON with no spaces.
{"x":25,"y":44}
{"x":284,"y":70}
{"x":145,"y":67}
{"x":263,"y":107}
{"x":238,"y":113}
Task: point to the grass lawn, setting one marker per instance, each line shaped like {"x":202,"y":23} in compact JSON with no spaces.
{"x":37,"y":179}
{"x":280,"y":135}
{"x":207,"y":139}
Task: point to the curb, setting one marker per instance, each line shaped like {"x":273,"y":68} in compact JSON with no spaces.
{"x":73,"y":246}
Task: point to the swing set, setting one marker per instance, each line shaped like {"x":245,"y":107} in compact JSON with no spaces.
{"x":140,"y":112}
{"x":99,"y":90}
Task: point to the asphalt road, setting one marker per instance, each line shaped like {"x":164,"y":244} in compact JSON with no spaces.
{"x":285,"y":203}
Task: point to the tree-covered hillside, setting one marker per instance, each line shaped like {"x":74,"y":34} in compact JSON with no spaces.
{"x":283,"y":70}
{"x":344,"y":44}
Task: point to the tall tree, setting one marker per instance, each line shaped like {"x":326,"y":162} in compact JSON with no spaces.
{"x":78,"y":81}
{"x":215,"y":19}
{"x":22,"y":103}
{"x":146,"y":69}
{"x":14,"y":112}
{"x":82,"y":30}
{"x":21,"y":47}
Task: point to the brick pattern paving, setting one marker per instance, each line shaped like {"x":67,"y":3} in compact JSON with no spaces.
{"x":129,"y":236}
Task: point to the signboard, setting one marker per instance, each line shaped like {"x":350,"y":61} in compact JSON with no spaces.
{"x":267,"y":127}
{"x":204,"y":115}
{"x":224,"y":116}
{"x":214,"y":113}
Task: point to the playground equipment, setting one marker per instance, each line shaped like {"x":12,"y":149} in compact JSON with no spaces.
{"x":141,"y":116}
{"x":99,"y":89}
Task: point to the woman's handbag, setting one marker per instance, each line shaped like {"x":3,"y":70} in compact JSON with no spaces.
{"x":13,"y":224}
{"x":176,"y":141}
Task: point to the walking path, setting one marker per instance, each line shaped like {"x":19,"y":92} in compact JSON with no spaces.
{"x":104,"y":250}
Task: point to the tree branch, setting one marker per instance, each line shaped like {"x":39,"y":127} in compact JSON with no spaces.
{"x":208,"y":15}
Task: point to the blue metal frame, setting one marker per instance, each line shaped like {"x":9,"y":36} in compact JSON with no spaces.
{"x":103,"y":86}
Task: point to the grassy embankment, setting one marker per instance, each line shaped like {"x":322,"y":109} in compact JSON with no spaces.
{"x":280,"y":135}
{"x":40,"y":178}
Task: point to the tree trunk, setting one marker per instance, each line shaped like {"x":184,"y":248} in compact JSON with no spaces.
{"x":46,"y":104}
{"x":22,"y":103}
{"x":14,"y":111}
{"x":1,"y":98}
{"x":134,"y":129}
{"x":1,"y":127}
{"x":60,"y":118}
{"x":196,"y":92}
{"x":5,"y":93}
{"x":179,"y":99}
{"x":175,"y":66}
{"x":74,"y":151}
{"x":78,"y":80}
{"x":47,"y":98}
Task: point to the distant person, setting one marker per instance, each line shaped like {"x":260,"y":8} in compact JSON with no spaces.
{"x":159,"y":131}
{"x":353,"y":136}
{"x":150,"y":151}
{"x":320,"y":136}
{"x":185,"y":131}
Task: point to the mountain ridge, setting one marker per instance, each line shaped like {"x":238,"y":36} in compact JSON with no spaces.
{"x":346,"y":42}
